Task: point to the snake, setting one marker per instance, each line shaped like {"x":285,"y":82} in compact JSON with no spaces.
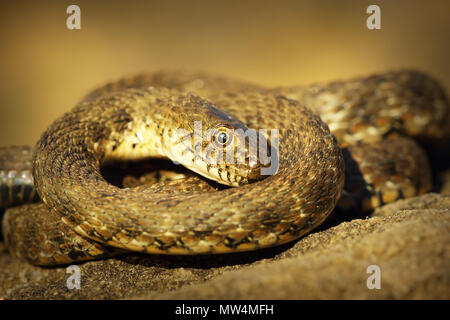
{"x":354,"y":143}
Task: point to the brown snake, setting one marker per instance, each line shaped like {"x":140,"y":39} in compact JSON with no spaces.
{"x":84,"y":217}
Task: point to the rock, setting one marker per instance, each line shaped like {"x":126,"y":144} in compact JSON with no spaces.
{"x":409,"y":240}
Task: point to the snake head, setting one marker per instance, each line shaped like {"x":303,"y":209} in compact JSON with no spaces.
{"x":218,"y":146}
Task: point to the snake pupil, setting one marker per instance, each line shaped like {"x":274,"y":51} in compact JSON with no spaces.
{"x":222,"y":137}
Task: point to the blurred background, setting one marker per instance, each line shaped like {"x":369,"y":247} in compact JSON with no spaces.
{"x":45,"y":69}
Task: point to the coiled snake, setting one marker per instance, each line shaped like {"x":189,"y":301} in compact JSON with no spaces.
{"x":83,"y":217}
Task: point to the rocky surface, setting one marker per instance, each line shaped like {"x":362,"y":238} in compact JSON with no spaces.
{"x":409,"y":240}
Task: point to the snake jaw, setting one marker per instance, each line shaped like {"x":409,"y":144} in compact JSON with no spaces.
{"x":254,"y":174}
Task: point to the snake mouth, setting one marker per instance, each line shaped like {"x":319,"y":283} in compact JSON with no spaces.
{"x":264,"y":161}
{"x":254,"y":174}
{"x":259,"y":171}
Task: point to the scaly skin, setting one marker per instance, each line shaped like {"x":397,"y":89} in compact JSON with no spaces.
{"x":275,"y":210}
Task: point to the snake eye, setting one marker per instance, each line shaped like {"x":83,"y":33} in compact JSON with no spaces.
{"x":223,"y":136}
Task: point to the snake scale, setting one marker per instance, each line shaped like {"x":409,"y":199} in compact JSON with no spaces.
{"x":358,"y":132}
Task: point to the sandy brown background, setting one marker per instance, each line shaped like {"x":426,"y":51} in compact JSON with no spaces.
{"x":45,"y":68}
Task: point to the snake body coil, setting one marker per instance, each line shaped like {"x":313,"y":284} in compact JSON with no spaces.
{"x":84,"y":217}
